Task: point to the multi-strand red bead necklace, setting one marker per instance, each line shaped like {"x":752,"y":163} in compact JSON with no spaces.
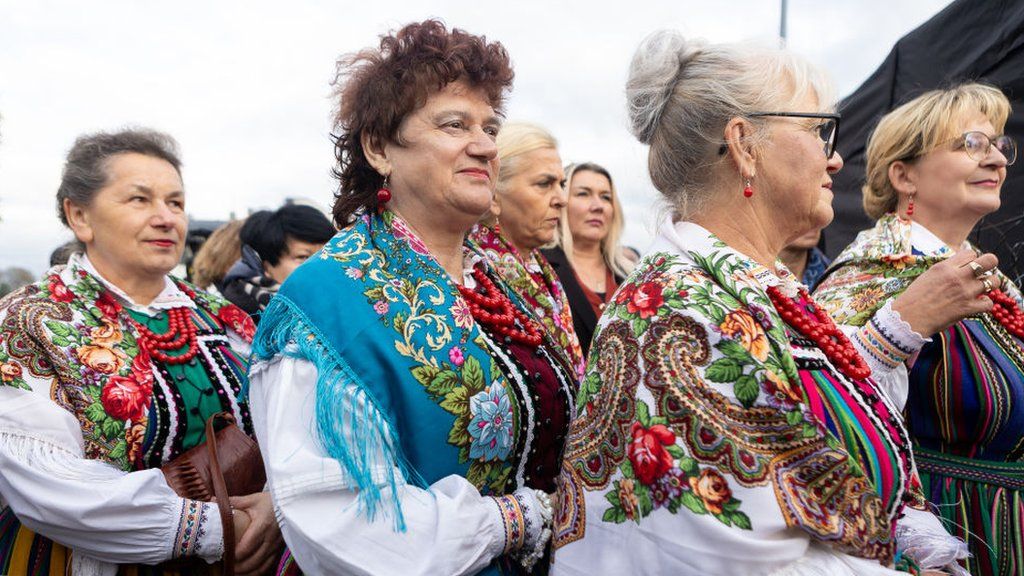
{"x":1007,"y":313}
{"x":818,"y":327}
{"x":492,"y":309}
{"x":180,"y":331}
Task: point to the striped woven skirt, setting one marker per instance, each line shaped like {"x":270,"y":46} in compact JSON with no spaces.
{"x":981,"y":502}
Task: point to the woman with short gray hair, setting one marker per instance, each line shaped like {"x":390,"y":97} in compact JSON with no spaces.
{"x":109,"y":370}
{"x":726,"y":425}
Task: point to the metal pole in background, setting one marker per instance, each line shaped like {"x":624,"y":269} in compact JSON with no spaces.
{"x":782,"y":24}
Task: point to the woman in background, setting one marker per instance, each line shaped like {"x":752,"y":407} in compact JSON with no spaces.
{"x":216,"y":256}
{"x":274,"y":244}
{"x":589,"y":259}
{"x":525,"y":216}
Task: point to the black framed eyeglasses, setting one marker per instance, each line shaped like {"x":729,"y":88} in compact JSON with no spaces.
{"x":828,"y":130}
{"x":978,"y":145}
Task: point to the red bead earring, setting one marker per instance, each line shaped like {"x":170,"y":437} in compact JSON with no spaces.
{"x":748,"y":190}
{"x":383,"y":195}
{"x":910,"y":206}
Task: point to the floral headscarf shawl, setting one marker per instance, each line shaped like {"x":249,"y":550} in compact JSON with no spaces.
{"x":536,"y":282}
{"x":880,"y":264}
{"x":696,"y":426}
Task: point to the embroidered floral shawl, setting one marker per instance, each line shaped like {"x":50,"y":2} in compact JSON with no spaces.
{"x":536,"y":282}
{"x":877,"y":266}
{"x":692,"y":406}
{"x":70,"y":331}
{"x":389,"y":331}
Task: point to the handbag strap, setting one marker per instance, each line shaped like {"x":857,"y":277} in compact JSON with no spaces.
{"x":220,"y":491}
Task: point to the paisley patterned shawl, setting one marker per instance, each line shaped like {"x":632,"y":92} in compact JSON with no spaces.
{"x":693,"y":404}
{"x":405,"y":373}
{"x":536,"y":282}
{"x":880,"y":264}
{"x":69,"y":331}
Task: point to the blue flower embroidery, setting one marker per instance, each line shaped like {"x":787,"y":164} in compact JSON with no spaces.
{"x":491,"y":426}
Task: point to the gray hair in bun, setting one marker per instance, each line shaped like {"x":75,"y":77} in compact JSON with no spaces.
{"x":681,"y":93}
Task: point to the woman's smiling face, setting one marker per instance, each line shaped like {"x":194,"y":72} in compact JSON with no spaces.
{"x":948,"y":181}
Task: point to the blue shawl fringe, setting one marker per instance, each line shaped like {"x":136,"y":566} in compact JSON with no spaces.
{"x":349,"y":424}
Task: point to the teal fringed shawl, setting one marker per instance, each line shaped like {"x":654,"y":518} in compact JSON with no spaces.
{"x":403,"y":369}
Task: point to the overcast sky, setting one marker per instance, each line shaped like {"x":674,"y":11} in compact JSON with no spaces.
{"x":244,"y":86}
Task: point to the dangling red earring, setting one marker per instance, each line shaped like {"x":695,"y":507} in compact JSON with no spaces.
{"x":383,"y":195}
{"x":910,"y":207}
{"x":748,"y":190}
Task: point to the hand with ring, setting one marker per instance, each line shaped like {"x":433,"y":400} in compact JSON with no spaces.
{"x":948,"y":292}
{"x":990,"y":281}
{"x":977,"y":269}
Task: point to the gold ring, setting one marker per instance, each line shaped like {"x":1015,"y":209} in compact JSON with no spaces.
{"x":976,"y":269}
{"x":987,"y":284}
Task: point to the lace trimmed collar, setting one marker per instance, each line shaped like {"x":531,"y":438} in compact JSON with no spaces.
{"x":170,"y":297}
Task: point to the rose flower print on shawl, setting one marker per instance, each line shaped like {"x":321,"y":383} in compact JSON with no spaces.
{"x":694,"y":403}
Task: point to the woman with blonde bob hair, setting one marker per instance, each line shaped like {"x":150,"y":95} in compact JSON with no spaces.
{"x":725,"y":425}
{"x":935,"y":167}
{"x":525,"y":215}
{"x":589,"y":258}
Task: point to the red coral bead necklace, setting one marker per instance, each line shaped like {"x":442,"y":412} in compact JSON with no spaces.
{"x":180,"y":330}
{"x":1007,"y":313}
{"x":820,"y":329}
{"x":493,"y":309}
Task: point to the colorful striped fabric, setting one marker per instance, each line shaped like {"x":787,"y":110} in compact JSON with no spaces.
{"x":835,"y":403}
{"x":966,"y":412}
{"x":965,"y":408}
{"x":23,"y":552}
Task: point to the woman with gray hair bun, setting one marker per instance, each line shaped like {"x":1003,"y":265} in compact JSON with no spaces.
{"x":725,"y":424}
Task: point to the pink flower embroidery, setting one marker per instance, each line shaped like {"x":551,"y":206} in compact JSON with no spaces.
{"x":455,"y":355}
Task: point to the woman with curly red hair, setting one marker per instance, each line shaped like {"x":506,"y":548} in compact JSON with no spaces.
{"x":411,"y":409}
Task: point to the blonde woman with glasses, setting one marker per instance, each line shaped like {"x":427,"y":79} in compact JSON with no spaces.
{"x":935,"y":168}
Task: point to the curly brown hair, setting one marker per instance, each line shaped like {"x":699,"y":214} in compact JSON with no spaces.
{"x":377,"y":88}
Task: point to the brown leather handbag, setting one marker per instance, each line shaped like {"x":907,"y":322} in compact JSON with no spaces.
{"x":227,"y":464}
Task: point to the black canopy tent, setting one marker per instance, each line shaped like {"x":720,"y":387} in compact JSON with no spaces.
{"x":979,"y":40}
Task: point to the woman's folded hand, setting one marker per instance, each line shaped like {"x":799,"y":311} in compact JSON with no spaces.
{"x":258,"y":544}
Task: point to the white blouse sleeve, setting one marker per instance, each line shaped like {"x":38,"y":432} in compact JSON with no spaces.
{"x":450,"y":528}
{"x":89,"y":505}
{"x":920,"y":535}
{"x":888,"y":345}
